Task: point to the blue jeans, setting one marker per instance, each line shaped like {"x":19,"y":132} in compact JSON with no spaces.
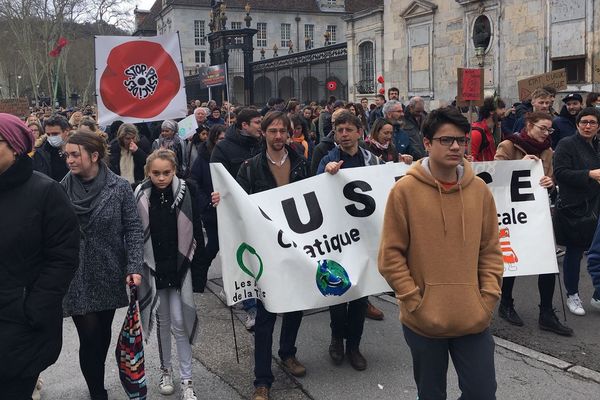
{"x":473,"y":359}
{"x":571,"y":268}
{"x":263,"y":342}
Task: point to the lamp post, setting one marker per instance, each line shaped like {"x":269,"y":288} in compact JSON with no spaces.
{"x":18,"y":80}
{"x":247,"y":18}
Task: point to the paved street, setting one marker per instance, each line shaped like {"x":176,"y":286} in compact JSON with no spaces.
{"x":389,"y":375}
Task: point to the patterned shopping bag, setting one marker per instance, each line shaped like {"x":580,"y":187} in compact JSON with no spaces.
{"x":130,"y":351}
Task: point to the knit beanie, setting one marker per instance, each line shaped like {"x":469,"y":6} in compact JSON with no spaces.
{"x":18,"y":136}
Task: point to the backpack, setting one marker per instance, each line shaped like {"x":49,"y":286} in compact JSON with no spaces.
{"x":484,"y":140}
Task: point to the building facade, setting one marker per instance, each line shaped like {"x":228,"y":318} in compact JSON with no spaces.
{"x":426,"y":41}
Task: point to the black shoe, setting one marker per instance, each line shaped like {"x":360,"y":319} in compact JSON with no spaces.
{"x":508,"y":313}
{"x":356,"y":359}
{"x":336,"y":350}
{"x":549,"y":322}
{"x":199,"y":278}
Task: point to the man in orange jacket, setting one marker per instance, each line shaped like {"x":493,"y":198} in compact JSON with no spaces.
{"x":441,"y":254}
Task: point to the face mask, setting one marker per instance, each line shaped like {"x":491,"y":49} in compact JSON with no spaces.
{"x":55,"y":141}
{"x":597,"y":106}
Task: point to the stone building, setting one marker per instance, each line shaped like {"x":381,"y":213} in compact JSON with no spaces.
{"x":417,"y":45}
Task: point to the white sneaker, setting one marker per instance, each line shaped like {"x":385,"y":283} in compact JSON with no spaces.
{"x":574,"y":304}
{"x":187,"y":390}
{"x":595,"y":303}
{"x":165,"y":386}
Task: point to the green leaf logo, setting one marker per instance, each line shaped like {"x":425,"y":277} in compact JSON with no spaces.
{"x":240,"y":260}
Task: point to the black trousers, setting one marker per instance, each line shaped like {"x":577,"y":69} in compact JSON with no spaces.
{"x":18,"y":388}
{"x":546,"y":284}
{"x":473,"y":359}
{"x":348,"y":321}
{"x":263,"y":342}
{"x":211,"y":248}
{"x":95,"y":331}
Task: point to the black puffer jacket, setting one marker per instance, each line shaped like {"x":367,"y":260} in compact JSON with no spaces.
{"x":256,"y":176}
{"x":39,"y":244}
{"x":573,"y":160}
{"x":234,"y":150}
{"x":325,"y":146}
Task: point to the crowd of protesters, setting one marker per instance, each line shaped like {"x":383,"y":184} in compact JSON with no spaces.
{"x":135,"y":204}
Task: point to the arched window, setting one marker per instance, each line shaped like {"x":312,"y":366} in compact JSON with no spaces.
{"x":366,"y":65}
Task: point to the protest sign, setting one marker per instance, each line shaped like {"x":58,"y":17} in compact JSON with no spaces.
{"x":187,"y":127}
{"x":314,"y":243}
{"x":139,"y":79}
{"x":215,"y":75}
{"x":555,"y":79}
{"x":470,"y":85}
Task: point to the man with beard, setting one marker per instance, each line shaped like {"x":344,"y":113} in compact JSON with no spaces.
{"x":276,"y":165}
{"x":405,"y":144}
{"x":564,"y":125}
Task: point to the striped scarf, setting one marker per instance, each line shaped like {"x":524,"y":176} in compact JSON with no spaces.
{"x":186,"y":244}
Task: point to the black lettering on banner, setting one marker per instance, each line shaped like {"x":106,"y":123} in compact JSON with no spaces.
{"x":516,"y":184}
{"x":486,"y":177}
{"x":367,"y":201}
{"x":314,"y":211}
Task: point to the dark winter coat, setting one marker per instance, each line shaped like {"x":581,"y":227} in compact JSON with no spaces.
{"x":573,"y":160}
{"x":402,"y":141}
{"x":110,"y":249}
{"x":375,"y":114}
{"x":234,"y":150}
{"x":325,"y":125}
{"x":49,"y":161}
{"x":200,"y":175}
{"x":210,"y":121}
{"x":334,"y":155}
{"x":325,"y":146}
{"x":256,"y":176}
{"x":39,"y":244}
{"x":139,"y":160}
{"x":413,"y":129}
{"x":564,"y":126}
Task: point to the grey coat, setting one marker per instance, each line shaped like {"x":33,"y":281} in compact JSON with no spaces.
{"x":110,"y":249}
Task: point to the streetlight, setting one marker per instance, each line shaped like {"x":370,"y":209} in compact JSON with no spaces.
{"x":18,"y":79}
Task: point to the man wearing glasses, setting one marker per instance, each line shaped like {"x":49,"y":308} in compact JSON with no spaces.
{"x":440,"y":253}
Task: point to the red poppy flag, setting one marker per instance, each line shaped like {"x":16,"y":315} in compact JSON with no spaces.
{"x":139,"y":79}
{"x":331,"y":86}
{"x":60,"y":44}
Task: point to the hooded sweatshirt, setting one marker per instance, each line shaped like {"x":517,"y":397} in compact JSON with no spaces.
{"x":440,"y":252}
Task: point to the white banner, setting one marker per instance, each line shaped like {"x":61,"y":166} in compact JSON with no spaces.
{"x":139,"y":79}
{"x":315,"y":242}
{"x":524,"y":220}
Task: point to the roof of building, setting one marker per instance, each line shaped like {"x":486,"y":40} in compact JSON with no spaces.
{"x":288,"y":5}
{"x":148,"y":25}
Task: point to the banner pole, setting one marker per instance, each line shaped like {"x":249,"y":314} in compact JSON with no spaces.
{"x":470,"y":117}
{"x":227,"y":83}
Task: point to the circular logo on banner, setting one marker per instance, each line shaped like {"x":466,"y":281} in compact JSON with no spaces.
{"x":331,"y":85}
{"x":140,"y":80}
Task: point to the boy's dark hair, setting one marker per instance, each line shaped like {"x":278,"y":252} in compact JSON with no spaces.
{"x":588,"y":111}
{"x":380,"y":96}
{"x":246,"y":115}
{"x":347,"y":117}
{"x":550,"y":90}
{"x":58,"y":120}
{"x":490,"y":104}
{"x":447,"y":115}
{"x":272,"y":117}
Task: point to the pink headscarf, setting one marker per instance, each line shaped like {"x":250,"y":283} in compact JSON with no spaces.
{"x":18,"y":136}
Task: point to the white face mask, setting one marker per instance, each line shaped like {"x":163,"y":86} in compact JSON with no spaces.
{"x":55,"y":141}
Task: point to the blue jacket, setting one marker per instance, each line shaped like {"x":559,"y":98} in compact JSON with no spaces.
{"x":402,"y":143}
{"x":334,"y":155}
{"x":564,"y":126}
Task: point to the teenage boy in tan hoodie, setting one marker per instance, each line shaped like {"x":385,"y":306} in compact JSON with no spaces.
{"x":440,"y":253}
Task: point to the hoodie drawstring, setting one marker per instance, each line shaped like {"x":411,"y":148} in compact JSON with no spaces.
{"x":442,"y":206}
{"x":462,"y":212}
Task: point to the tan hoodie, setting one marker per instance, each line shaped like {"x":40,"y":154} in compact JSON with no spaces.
{"x":440,"y":253}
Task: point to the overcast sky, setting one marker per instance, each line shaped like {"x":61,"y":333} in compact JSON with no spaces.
{"x":144,"y":4}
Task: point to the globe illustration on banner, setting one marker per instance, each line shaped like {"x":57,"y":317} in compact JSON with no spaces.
{"x":140,"y":80}
{"x":332,"y":278}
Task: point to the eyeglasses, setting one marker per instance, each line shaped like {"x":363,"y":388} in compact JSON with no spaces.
{"x":448,"y":141}
{"x":590,"y":123}
{"x":544,"y":129}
